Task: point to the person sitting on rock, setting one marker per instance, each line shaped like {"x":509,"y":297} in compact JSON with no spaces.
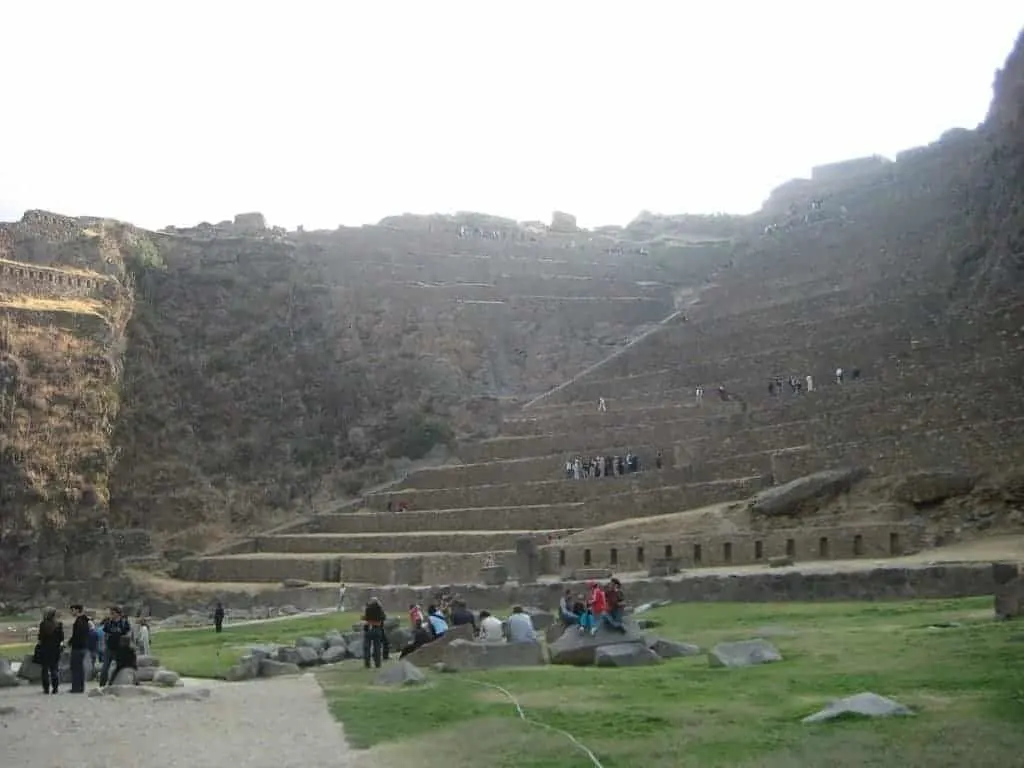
{"x":565,"y":611}
{"x":437,"y":623}
{"x":520,"y":627}
{"x":491,"y":630}
{"x":124,"y":658}
{"x":615,"y":601}
{"x":462,"y":615}
{"x":420,"y":637}
{"x":597,"y":604}
{"x":416,"y":615}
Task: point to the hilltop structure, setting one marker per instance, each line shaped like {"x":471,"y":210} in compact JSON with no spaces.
{"x":396,"y":404}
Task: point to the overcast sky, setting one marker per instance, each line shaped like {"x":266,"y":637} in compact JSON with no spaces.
{"x":321,"y":113}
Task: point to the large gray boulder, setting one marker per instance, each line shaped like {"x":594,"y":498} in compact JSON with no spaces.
{"x":933,"y":486}
{"x":125,"y":677}
{"x":805,"y":494}
{"x":167,"y":678}
{"x":744,"y":653}
{"x":461,"y":655}
{"x":625,"y":655}
{"x":271,"y":668}
{"x":579,"y":649}
{"x":147,"y":661}
{"x":864,"y":704}
{"x":8,"y":678}
{"x":402,"y":673}
{"x":247,"y":668}
{"x":334,"y":654}
{"x":316,"y":643}
{"x":671,"y":649}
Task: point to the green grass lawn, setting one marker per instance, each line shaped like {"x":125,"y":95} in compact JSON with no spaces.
{"x":966,"y":683}
{"x":204,"y":653}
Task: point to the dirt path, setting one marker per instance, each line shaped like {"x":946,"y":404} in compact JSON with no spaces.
{"x":276,"y":723}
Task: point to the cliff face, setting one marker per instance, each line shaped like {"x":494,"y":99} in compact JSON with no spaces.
{"x":993,"y":263}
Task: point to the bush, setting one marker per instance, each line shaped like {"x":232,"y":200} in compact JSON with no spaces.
{"x":416,"y":434}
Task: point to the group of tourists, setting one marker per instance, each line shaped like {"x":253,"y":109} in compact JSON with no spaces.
{"x":584,"y":468}
{"x":113,"y":643}
{"x":602,"y":605}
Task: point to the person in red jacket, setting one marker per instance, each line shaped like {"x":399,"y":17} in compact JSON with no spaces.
{"x":598,"y":604}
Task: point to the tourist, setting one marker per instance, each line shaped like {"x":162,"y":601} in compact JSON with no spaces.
{"x":416,"y":616}
{"x":491,"y":630}
{"x":420,"y":637}
{"x":341,"y":591}
{"x":79,"y":645}
{"x":124,"y":657}
{"x":565,"y":612}
{"x":462,"y":615}
{"x":700,"y":394}
{"x":218,"y":617}
{"x":598,"y":605}
{"x":614,"y":605}
{"x":602,"y":406}
{"x":50,"y":641}
{"x":810,"y":383}
{"x":437,"y":623}
{"x":373,"y":632}
{"x":96,"y":643}
{"x":115,"y":626}
{"x":142,"y":638}
{"x":839,"y":375}
{"x":520,"y":627}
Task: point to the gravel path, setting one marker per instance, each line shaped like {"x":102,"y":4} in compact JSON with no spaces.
{"x":275,"y":723}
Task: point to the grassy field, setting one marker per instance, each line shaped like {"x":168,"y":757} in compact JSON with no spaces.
{"x":204,"y":653}
{"x":965,"y":682}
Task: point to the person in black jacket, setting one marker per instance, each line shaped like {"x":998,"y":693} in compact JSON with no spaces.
{"x":47,"y":655}
{"x":373,"y":632}
{"x":115,"y":627}
{"x":79,"y":648}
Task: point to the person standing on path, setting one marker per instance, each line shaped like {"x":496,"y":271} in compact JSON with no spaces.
{"x":115,"y":626}
{"x":79,"y":645}
{"x":218,"y":617}
{"x":373,"y":632}
{"x":48,"y":648}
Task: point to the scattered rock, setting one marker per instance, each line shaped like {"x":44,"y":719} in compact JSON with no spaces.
{"x":671,"y":649}
{"x":579,"y":649}
{"x":402,"y":673}
{"x":167,"y":678}
{"x":247,"y":668}
{"x":334,"y":639}
{"x":260,"y":652}
{"x":399,"y":637}
{"x":29,"y":670}
{"x":271,"y":668}
{"x":864,"y":704}
{"x":625,"y":655}
{"x":147,"y":661}
{"x":145,"y":674}
{"x":805,"y":493}
{"x":433,"y":652}
{"x":334,"y":654}
{"x":745,"y":653}
{"x":316,"y":643}
{"x":932,"y":486}
{"x":461,"y":655}
{"x":125,"y":677}
{"x":8,"y":677}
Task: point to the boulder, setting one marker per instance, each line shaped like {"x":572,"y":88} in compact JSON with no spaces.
{"x":579,"y":649}
{"x":334,"y":654}
{"x":29,"y":670}
{"x":461,"y":655}
{"x":167,"y":678}
{"x":316,"y":643}
{"x":125,"y":677}
{"x":932,"y":486}
{"x":247,"y":668}
{"x":335,"y":639}
{"x":865,"y":704}
{"x":625,"y":655}
{"x":398,"y":638}
{"x":308,"y":657}
{"x":554,"y":632}
{"x":8,"y":677}
{"x":670,"y":649}
{"x":433,"y":652}
{"x":402,"y":673}
{"x":541,"y":620}
{"x":805,"y":493}
{"x":744,"y":653}
{"x":271,"y":668}
{"x":147,"y":661}
{"x":145,"y":674}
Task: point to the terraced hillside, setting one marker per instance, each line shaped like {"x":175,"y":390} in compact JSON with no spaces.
{"x":861,"y":267}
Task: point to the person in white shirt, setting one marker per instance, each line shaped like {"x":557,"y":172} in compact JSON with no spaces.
{"x":142,"y":639}
{"x":520,"y":627}
{"x":490,"y":629}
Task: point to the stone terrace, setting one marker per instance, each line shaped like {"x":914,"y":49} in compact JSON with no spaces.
{"x":935,"y":390}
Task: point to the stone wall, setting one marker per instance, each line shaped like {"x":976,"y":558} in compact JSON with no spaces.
{"x":776,"y":585}
{"x":35,"y":280}
{"x":842,"y":542}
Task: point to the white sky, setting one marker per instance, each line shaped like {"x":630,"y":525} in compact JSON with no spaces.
{"x":322,"y":113}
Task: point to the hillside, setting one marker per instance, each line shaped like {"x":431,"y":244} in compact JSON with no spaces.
{"x":193,"y":384}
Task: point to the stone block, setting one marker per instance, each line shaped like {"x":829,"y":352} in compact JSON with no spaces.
{"x":494,"y":575}
{"x":460,"y":655}
{"x":580,"y":648}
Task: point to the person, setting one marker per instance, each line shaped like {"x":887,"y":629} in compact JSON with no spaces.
{"x":615,"y":604}
{"x":50,"y":642}
{"x":373,"y":632}
{"x":598,"y":605}
{"x":462,"y":615}
{"x":520,"y":627}
{"x":565,"y":609}
{"x":124,"y":657}
{"x":437,"y":623}
{"x":420,"y":637}
{"x":416,"y":616}
{"x":79,"y":645}
{"x":115,"y":626}
{"x":142,"y":639}
{"x":218,"y":617}
{"x":341,"y":595}
{"x":491,"y":630}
